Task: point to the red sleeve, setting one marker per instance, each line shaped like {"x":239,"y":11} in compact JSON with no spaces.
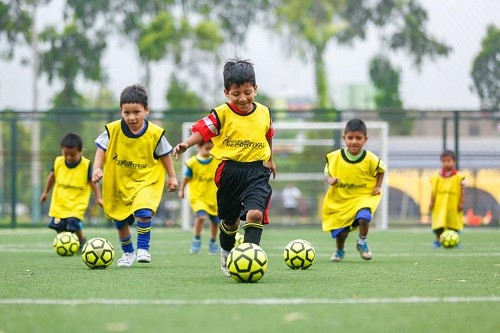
{"x":208,"y":127}
{"x":270,"y":132}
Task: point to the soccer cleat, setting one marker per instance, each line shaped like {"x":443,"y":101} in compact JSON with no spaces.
{"x":364,"y":251}
{"x":82,"y":243}
{"x":223,"y":262}
{"x":127,"y":259}
{"x":338,"y":255}
{"x":436,"y":244}
{"x":213,"y":248}
{"x":195,"y":246}
{"x":143,"y":256}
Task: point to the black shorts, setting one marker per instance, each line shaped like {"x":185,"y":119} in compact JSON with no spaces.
{"x":242,"y":186}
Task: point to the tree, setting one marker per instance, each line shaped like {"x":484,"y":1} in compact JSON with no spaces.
{"x":312,"y":24}
{"x":179,"y":96}
{"x":486,"y":70}
{"x":15,"y":26}
{"x":386,"y":80}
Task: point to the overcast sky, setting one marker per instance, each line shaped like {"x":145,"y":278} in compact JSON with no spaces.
{"x":444,"y":84}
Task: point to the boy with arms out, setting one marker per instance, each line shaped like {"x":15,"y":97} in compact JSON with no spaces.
{"x":242,"y":132}
{"x":355,"y":176}
{"x":447,"y":197}
{"x":71,"y":177}
{"x":199,"y":173}
{"x":135,"y":155}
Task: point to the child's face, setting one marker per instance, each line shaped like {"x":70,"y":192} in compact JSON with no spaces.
{"x":71,"y":155}
{"x":134,"y":115}
{"x":242,"y":97}
{"x":205,"y":149}
{"x":354,"y":141}
{"x":448,"y":163}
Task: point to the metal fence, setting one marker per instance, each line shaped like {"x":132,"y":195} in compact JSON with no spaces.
{"x":416,"y":140}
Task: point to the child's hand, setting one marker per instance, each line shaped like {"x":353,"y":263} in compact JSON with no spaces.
{"x":376,"y":190}
{"x":460,"y":207}
{"x":179,"y":149}
{"x":332,"y":180}
{"x":97,"y":175}
{"x":272,"y":166}
{"x":172,"y":184}
{"x":99,"y":202}
{"x":181,"y":194}
{"x":43,"y":197}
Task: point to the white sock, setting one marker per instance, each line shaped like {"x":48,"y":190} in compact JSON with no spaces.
{"x":362,"y":240}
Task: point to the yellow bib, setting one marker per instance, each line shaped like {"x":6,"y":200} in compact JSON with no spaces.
{"x":202,"y":188}
{"x":447,"y":191}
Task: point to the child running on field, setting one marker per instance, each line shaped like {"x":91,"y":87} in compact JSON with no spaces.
{"x":355,"y":176}
{"x":447,"y":197}
{"x":242,"y":132}
{"x":71,"y":178}
{"x":199,"y":173}
{"x":135,"y":155}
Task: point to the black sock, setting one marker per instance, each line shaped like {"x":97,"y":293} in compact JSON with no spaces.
{"x":253,"y":233}
{"x":226,"y":238}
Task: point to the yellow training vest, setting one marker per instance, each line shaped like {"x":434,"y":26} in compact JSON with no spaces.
{"x":71,"y":193}
{"x":133,"y":177}
{"x":242,"y":138}
{"x":202,"y":188}
{"x":354,"y":190}
{"x":447,"y":191}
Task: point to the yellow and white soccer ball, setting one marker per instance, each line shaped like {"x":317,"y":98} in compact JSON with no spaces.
{"x":247,"y":262}
{"x":98,"y":253}
{"x":299,"y":254}
{"x":66,"y":243}
{"x":238,"y":239}
{"x":449,"y":239}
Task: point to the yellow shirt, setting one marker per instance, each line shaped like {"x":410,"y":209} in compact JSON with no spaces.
{"x":202,"y":188}
{"x":242,"y":138}
{"x":355,"y":188}
{"x":71,"y":193}
{"x":447,"y":191}
{"x":133,"y":177}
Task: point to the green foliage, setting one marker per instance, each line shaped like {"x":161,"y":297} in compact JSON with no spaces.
{"x":15,"y":26}
{"x":179,"y":96}
{"x":486,"y":70}
{"x":386,"y":80}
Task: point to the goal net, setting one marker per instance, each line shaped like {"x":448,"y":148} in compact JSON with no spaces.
{"x":299,"y":151}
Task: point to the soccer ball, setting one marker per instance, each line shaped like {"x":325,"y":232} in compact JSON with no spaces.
{"x":238,"y":239}
{"x":449,"y":239}
{"x":247,"y":262}
{"x":66,"y":243}
{"x":299,"y":254}
{"x":98,"y":253}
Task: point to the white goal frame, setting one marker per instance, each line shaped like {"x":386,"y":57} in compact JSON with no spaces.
{"x":383,"y":136}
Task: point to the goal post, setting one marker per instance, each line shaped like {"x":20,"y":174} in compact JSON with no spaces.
{"x":299,"y":150}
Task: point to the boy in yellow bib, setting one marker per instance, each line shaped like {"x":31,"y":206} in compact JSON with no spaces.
{"x":199,"y":173}
{"x":447,"y":197}
{"x":135,"y":155}
{"x":71,"y":179}
{"x":355,"y":176}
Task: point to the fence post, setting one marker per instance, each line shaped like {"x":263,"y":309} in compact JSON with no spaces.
{"x":13,"y":165}
{"x":456,"y":117}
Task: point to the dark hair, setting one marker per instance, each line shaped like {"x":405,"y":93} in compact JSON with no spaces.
{"x":134,"y":94}
{"x":448,"y":153}
{"x":71,"y":140}
{"x":355,"y":125}
{"x":237,"y":72}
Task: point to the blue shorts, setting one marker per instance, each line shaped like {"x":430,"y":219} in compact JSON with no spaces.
{"x":363,"y":213}
{"x":71,"y":224}
{"x":144,"y":212}
{"x":213,"y":218}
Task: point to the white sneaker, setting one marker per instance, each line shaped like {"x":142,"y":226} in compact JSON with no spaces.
{"x":223,"y":262}
{"x":143,"y":256}
{"x":127,"y":259}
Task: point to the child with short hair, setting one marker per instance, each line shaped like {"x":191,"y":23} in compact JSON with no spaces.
{"x":447,"y":197}
{"x":71,"y":178}
{"x":199,"y":173}
{"x":135,"y":155}
{"x":242,"y":132}
{"x":355,"y":177}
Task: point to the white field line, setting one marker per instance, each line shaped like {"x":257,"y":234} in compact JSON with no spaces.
{"x":260,"y":301}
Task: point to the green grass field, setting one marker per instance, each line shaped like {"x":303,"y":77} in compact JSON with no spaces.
{"x":407,"y":287}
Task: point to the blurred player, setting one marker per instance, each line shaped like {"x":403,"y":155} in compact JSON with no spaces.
{"x":71,"y":178}
{"x":135,"y":155}
{"x":199,"y":173}
{"x":355,"y":176}
{"x":447,"y":197}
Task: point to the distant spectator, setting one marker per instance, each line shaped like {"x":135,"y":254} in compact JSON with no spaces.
{"x":291,"y":197}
